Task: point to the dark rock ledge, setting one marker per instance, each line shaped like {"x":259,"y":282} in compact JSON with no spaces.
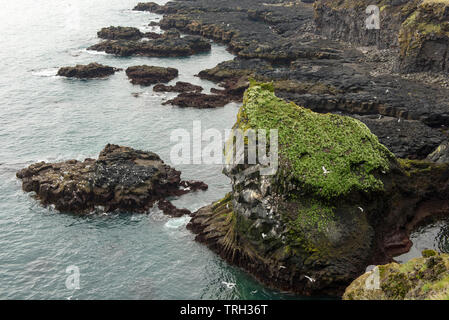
{"x":121,"y":178}
{"x":126,"y":33}
{"x":199,"y":100}
{"x":180,"y":86}
{"x":148,"y":75}
{"x":92,"y":70}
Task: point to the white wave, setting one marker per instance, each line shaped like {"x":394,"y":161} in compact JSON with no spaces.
{"x":50,"y":72}
{"x":176,"y":223}
{"x":93,"y":52}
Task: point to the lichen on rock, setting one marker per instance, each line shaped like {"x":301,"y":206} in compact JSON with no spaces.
{"x":331,"y":155}
{"x":425,"y":278}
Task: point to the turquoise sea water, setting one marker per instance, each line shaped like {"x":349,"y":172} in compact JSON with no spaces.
{"x":44,"y":117}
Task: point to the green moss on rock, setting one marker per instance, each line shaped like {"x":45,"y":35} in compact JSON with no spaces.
{"x":328,"y":154}
{"x":420,"y":278}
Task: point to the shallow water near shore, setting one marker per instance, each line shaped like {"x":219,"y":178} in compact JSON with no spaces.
{"x":45,"y":117}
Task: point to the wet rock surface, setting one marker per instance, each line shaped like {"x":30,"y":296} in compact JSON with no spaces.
{"x":148,"y":75}
{"x":180,"y":86}
{"x":121,"y":178}
{"x":92,"y":70}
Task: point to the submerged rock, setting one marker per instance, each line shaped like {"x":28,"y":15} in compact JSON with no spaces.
{"x":148,"y":75}
{"x":92,"y":70}
{"x":199,"y":100}
{"x":425,"y":278}
{"x":338,"y":202}
{"x":121,"y":178}
{"x":169,"y":46}
{"x":180,"y":86}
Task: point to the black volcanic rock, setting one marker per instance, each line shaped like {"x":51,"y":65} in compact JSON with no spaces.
{"x":162,"y":47}
{"x":199,"y":100}
{"x":148,"y":75}
{"x":180,"y":86}
{"x":122,"y":33}
{"x":121,"y":178}
{"x":128,"y":33}
{"x":92,"y":70}
{"x":405,"y":138}
{"x":147,"y":6}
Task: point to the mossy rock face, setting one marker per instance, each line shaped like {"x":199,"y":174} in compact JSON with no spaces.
{"x":336,"y":204}
{"x":420,"y":278}
{"x":424,"y":37}
{"x":420,"y":28}
{"x":328,"y":154}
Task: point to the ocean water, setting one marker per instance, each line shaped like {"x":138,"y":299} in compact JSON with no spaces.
{"x":45,"y":117}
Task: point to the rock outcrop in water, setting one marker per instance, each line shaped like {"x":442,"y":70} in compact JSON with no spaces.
{"x":199,"y":100}
{"x":340,"y":201}
{"x":148,"y":75}
{"x":148,"y":6}
{"x":92,"y":70}
{"x":277,"y":41}
{"x":425,"y":278}
{"x":121,"y":178}
{"x":180,"y":86}
{"x":126,"y":33}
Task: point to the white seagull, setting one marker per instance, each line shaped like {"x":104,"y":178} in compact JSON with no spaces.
{"x":325,"y":170}
{"x":310,"y":279}
{"x":229,"y":285}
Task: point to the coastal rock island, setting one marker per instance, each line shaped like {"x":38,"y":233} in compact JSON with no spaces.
{"x":92,"y":70}
{"x":148,"y":75}
{"x":340,"y":200}
{"x":121,"y":178}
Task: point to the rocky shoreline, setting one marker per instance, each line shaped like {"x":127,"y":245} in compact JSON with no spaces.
{"x":339,"y":74}
{"x":276,"y":41}
{"x":363,"y":140}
